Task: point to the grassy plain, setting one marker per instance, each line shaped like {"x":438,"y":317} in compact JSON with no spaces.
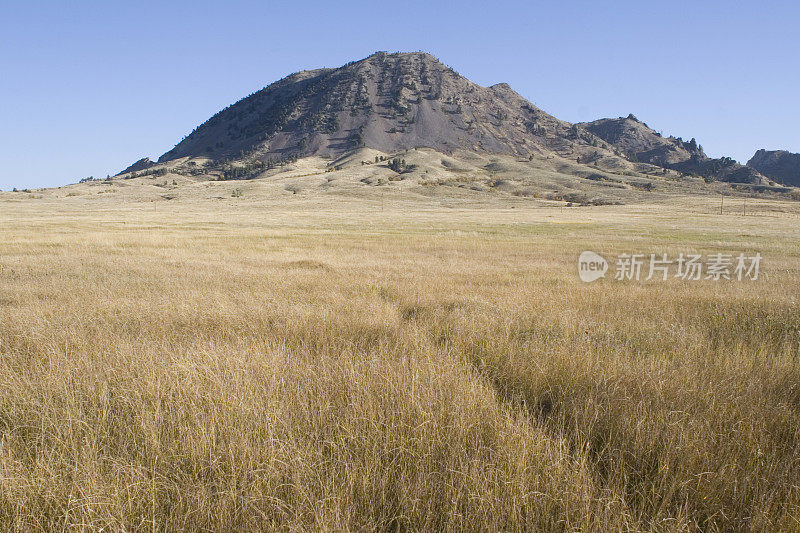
{"x":333,"y":364}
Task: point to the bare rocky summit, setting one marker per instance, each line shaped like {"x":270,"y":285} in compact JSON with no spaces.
{"x":389,"y":102}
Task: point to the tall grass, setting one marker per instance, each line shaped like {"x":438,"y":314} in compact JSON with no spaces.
{"x":158,"y":374}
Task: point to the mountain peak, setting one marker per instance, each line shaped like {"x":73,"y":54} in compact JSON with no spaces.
{"x":399,"y":101}
{"x":387,"y":101}
{"x":403,"y":55}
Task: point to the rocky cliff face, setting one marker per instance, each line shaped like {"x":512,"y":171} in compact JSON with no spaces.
{"x":779,"y":165}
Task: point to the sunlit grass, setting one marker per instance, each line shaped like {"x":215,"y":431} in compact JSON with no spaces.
{"x":359,"y":368}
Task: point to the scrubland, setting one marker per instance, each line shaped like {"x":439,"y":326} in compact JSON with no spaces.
{"x":328,"y":364}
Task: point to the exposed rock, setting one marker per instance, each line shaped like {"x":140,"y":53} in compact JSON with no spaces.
{"x":142,"y":164}
{"x":779,"y":165}
{"x":638,"y":142}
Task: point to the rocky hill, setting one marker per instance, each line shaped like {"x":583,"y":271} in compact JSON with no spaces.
{"x":640,"y":143}
{"x":396,"y":102}
{"x":388,"y":102}
{"x":779,"y":165}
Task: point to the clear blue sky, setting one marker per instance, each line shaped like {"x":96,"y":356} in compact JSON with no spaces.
{"x":88,"y":87}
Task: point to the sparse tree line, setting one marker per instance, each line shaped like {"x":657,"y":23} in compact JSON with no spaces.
{"x":157,"y":173}
{"x":253,"y":168}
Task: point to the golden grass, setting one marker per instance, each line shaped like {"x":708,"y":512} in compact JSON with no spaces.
{"x":352,"y":366}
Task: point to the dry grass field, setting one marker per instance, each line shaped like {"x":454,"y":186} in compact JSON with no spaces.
{"x":334,"y":364}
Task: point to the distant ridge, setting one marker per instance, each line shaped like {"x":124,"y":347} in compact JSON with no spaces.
{"x":642,"y":144}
